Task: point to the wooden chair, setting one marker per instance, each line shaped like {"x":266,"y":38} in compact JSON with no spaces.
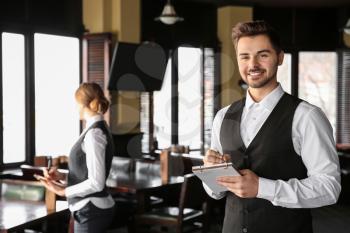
{"x":126,"y":203}
{"x":60,"y":161}
{"x":176,"y":164}
{"x":189,"y":215}
{"x":170,"y":165}
{"x":180,"y":149}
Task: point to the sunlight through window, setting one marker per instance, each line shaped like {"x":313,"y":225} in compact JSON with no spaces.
{"x":318,"y":80}
{"x":190,"y":97}
{"x":284,"y":73}
{"x":13,"y":97}
{"x":162,"y":111}
{"x":56,"y":79}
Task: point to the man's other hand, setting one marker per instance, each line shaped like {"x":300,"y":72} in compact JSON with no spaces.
{"x":245,"y":186}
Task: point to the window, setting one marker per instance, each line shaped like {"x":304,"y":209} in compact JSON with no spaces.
{"x":343,"y":100}
{"x":317,"y":81}
{"x":284,"y":73}
{"x":56,"y":79}
{"x":162,"y":111}
{"x":195,"y":103}
{"x":190,"y":96}
{"x":39,"y":115}
{"x":209,"y":95}
{"x":13,"y":98}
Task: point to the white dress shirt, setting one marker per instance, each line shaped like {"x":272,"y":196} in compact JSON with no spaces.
{"x":94,"y":145}
{"x":312,"y":139}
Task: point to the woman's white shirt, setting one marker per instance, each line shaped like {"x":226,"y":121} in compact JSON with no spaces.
{"x":94,"y":146}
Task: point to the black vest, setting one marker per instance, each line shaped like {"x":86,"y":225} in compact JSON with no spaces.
{"x":78,"y":171}
{"x":270,"y":155}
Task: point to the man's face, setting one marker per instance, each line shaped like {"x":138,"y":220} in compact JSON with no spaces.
{"x":258,"y":61}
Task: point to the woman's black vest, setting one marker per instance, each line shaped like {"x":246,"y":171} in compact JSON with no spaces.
{"x":78,"y":171}
{"x":270,"y":155}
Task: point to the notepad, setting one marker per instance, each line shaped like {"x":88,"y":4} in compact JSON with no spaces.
{"x":55,"y":182}
{"x":208,"y":175}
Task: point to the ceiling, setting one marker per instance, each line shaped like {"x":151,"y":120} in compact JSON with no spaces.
{"x":277,"y":3}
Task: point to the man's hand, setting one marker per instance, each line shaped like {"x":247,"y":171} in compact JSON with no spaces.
{"x":213,"y":157}
{"x":245,"y":186}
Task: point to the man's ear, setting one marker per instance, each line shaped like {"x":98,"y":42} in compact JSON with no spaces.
{"x":280,"y":57}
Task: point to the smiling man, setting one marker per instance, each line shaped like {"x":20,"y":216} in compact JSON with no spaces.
{"x":283,"y":146}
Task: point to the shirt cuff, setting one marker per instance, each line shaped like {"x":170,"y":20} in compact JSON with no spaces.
{"x":69,"y":192}
{"x":266,"y":189}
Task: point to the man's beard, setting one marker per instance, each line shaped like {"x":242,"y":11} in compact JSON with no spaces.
{"x":261,"y":82}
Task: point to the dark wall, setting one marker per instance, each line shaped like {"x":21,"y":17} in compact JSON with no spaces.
{"x":300,"y":28}
{"x":306,"y":28}
{"x":56,"y":16}
{"x":198,"y":28}
{"x":128,"y":145}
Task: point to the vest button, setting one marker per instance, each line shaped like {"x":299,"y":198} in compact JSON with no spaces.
{"x":244,"y":230}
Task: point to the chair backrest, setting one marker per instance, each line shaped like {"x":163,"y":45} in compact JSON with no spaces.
{"x":192,"y":195}
{"x":120,"y":167}
{"x":170,"y":165}
{"x":177,"y":164}
{"x":147,"y":168}
{"x":180,"y":149}
{"x":60,"y":161}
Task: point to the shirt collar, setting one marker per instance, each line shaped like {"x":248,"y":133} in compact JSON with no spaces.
{"x":269,"y":101}
{"x":91,"y":120}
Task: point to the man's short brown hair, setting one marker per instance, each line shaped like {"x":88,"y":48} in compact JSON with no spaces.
{"x":254,"y":28}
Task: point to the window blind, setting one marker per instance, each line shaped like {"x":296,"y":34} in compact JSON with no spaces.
{"x":343,"y":99}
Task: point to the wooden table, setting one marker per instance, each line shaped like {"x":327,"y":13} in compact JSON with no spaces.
{"x":50,"y":197}
{"x":134,"y":183}
{"x":140,"y":184}
{"x":15,"y":215}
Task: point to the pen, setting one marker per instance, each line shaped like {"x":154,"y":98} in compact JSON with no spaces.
{"x":49,"y":163}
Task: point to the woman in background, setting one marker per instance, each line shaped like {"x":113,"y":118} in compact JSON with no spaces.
{"x":89,"y":164}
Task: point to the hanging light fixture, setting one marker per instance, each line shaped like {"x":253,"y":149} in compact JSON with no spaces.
{"x":169,"y":15}
{"x":347,"y":27}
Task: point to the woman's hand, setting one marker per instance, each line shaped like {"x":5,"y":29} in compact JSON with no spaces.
{"x":53,"y":174}
{"x":50,"y":185}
